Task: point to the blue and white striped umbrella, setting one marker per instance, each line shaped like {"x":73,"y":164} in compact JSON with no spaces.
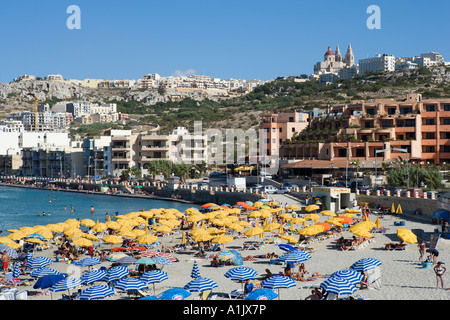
{"x":38,"y":262}
{"x":37,"y":273}
{"x":127,"y":260}
{"x":66,"y":284}
{"x":195,"y":273}
{"x":240,"y":273}
{"x":94,"y":275}
{"x":353,"y":276}
{"x":277,"y":282}
{"x":286,"y":247}
{"x":116,"y":273}
{"x":261,"y":294}
{"x":365,"y":264}
{"x":96,"y":292}
{"x":36,"y":236}
{"x":173,"y":294}
{"x":10,"y":251}
{"x":87,"y":262}
{"x":338,"y":286}
{"x":154,"y":276}
{"x":200,"y":284}
{"x":130,"y":284}
{"x":161,"y":260}
{"x":296,"y":256}
{"x":16,"y":271}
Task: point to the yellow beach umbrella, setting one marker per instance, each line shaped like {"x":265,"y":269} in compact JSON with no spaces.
{"x":55,"y":228}
{"x":212,"y":230}
{"x":127,"y":234}
{"x":198,"y":231}
{"x":352,"y":211}
{"x":43,"y":231}
{"x":311,"y":230}
{"x":87,"y":223}
{"x":82,"y":242}
{"x":253,"y":231}
{"x":195,"y":218}
{"x":147,"y":239}
{"x":289,"y":238}
{"x":293,"y":207}
{"x":297,"y":220}
{"x":236,"y":227}
{"x":141,"y":220}
{"x":12,"y":230}
{"x":16,"y":235}
{"x":312,"y":207}
{"x":27,"y":230}
{"x":73,"y":223}
{"x":335,"y":222}
{"x":112,"y":239}
{"x":254,"y":214}
{"x":243,"y":223}
{"x":99,"y":227}
{"x":350,"y":215}
{"x":112,"y":225}
{"x":362,"y":233}
{"x":183,"y":238}
{"x":406,"y":235}
{"x":5,"y":240}
{"x":146,"y":214}
{"x":202,"y":237}
{"x":258,"y":204}
{"x":399,"y":209}
{"x":286,"y":216}
{"x":13,"y":245}
{"x":392,"y":208}
{"x":163,"y":229}
{"x":272,"y":203}
{"x":34,"y":240}
{"x":191,"y":211}
{"x":271,"y":227}
{"x":312,"y":216}
{"x":90,"y":237}
{"x":222,"y":239}
{"x":377,"y":222}
{"x":328,"y":213}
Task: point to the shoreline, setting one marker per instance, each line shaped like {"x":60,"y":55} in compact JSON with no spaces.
{"x":127,"y":195}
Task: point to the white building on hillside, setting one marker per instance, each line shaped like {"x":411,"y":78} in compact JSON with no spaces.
{"x":379,"y":63}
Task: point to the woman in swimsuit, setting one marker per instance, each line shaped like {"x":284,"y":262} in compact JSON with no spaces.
{"x":439,"y":270}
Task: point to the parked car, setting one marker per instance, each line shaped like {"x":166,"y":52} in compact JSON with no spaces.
{"x":269,"y":189}
{"x":359,"y":185}
{"x":436,"y":194}
{"x":340,"y":184}
{"x":314,"y":184}
{"x":283,"y":190}
{"x":216,"y":174}
{"x":394,"y":190}
{"x":256,"y":187}
{"x":205,"y":180}
{"x":382,"y":190}
{"x":412,"y":192}
{"x":289,"y":185}
{"x":192,"y":185}
{"x":265,"y":175}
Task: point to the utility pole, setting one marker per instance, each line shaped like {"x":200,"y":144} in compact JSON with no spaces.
{"x":407,"y":163}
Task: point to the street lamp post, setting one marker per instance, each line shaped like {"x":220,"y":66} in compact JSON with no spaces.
{"x":346,"y":164}
{"x":407,"y":163}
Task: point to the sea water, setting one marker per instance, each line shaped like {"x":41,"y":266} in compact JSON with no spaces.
{"x":19,"y":207}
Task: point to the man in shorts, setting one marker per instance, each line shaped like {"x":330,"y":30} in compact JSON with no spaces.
{"x":5,"y":261}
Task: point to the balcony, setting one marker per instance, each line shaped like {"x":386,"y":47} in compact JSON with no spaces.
{"x":429,"y":142}
{"x":429,"y":128}
{"x":444,"y":127}
{"x":155,"y":148}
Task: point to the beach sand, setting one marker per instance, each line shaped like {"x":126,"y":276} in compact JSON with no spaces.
{"x":402,"y":277}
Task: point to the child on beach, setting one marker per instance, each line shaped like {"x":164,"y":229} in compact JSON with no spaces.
{"x":439,"y":270}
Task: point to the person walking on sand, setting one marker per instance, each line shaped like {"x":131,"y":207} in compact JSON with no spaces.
{"x":422,"y":248}
{"x":5,"y":261}
{"x":439,"y":270}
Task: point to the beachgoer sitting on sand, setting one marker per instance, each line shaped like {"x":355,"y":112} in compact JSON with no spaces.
{"x":267,"y":275}
{"x":288,"y":272}
{"x":393,"y":246}
{"x":313,"y":296}
{"x":215,"y":262}
{"x":249,"y":258}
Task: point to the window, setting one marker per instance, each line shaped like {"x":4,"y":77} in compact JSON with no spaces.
{"x":293,"y":129}
{"x":428,"y":149}
{"x":281,"y":130}
{"x":368,"y":124}
{"x":386,"y":124}
{"x":360,"y":152}
{"x":291,"y":119}
{"x":410,"y":136}
{"x":445,"y":149}
{"x":446,"y":107}
{"x":342,"y":153}
{"x":406,"y":110}
{"x":446,"y":121}
{"x":430,"y":135}
{"x":391,"y":111}
{"x":410,"y":123}
{"x":370,"y":111}
{"x":429,"y":122}
{"x":431,"y":107}
{"x":445,"y":135}
{"x":400,"y":123}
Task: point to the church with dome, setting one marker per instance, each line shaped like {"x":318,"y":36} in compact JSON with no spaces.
{"x":333,"y":61}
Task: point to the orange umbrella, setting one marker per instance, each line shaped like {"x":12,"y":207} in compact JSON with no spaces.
{"x":345,"y":219}
{"x":326,"y":226}
{"x":208,"y":205}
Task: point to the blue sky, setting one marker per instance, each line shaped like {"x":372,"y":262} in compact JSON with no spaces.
{"x":227,"y":39}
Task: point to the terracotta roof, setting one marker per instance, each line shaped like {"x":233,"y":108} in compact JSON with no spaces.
{"x":329,"y":52}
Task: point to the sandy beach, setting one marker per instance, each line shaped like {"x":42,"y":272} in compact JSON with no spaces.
{"x":403,"y":278}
